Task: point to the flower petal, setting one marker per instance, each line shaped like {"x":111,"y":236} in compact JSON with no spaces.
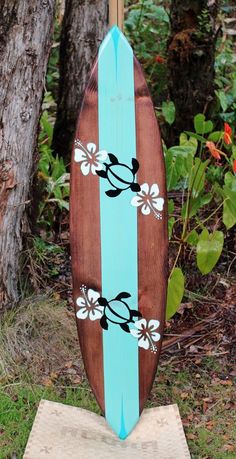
{"x":158,"y":203}
{"x":154,"y":192}
{"x":136,"y":201}
{"x":144,"y":342}
{"x":155,"y":336}
{"x":135,"y":333}
{"x":95,"y":168}
{"x":80,"y":302}
{"x":144,"y":189}
{"x":80,"y":155}
{"x":85,"y":168}
{"x":145,"y":209}
{"x":95,"y":314}
{"x":141,"y":324}
{"x":153,"y":324}
{"x":99,"y":166}
{"x":82,"y":313}
{"x":91,"y":147}
{"x":101,"y":155}
{"x":93,"y":295}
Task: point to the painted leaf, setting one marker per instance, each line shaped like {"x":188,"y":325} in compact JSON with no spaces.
{"x":209,"y":249}
{"x":175,"y":292}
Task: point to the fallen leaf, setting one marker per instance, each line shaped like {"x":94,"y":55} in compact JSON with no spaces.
{"x":226,"y":382}
{"x":184,"y":306}
{"x":47,"y":382}
{"x":210,"y":425}
{"x":191,"y":436}
{"x":69,"y":364}
{"x":229,"y":447}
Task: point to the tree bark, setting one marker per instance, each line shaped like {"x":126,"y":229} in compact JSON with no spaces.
{"x":25,"y":36}
{"x":191,"y":57}
{"x":83,"y":28}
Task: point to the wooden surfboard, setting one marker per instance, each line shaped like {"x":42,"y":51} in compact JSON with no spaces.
{"x":118,"y":227}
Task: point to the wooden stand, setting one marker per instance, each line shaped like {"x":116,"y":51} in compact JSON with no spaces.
{"x":66,"y":432}
{"x":116,"y":13}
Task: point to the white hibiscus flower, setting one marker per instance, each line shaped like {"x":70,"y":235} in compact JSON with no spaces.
{"x":149,"y":201}
{"x":89,"y":159}
{"x":146,"y":333}
{"x":88,"y":306}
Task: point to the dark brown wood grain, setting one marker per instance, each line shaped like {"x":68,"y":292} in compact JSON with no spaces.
{"x":152,"y":233}
{"x":85,"y":239}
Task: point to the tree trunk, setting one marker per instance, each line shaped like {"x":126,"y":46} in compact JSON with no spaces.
{"x":25,"y":35}
{"x":191,"y":57}
{"x":83,"y":28}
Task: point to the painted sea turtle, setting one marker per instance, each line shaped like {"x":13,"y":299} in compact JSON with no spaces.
{"x":120,"y":176}
{"x":118,"y":312}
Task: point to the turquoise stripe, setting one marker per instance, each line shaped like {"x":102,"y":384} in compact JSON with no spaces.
{"x":118,"y":230}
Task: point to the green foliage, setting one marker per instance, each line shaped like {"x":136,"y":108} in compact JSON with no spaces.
{"x":19,"y":403}
{"x":147,"y":29}
{"x":209,"y":248}
{"x":225,"y":66}
{"x":168,"y":111}
{"x":52,"y":176}
{"x":208,"y":191}
{"x":201,"y":125}
{"x":175,"y":292}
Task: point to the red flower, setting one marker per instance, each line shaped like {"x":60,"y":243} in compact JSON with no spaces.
{"x":234,"y":166}
{"x":227,"y":134}
{"x":159,"y":59}
{"x":213,"y":150}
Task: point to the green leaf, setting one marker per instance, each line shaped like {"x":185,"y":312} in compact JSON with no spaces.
{"x":175,"y":292}
{"x":171,"y":206}
{"x":193,"y":238}
{"x":196,"y":203}
{"x":182,"y":150}
{"x":234,"y":152}
{"x":58,"y":168}
{"x":202,"y":126}
{"x":223,"y":100}
{"x":47,"y":126}
{"x":229,"y":207}
{"x":215,"y":136}
{"x":174,"y":166}
{"x":183,"y":155}
{"x":196,"y":136}
{"x":159,"y":12}
{"x":168,"y":110}
{"x":230,"y":181}
{"x":171,"y":222}
{"x":209,"y":248}
{"x":188,"y":142}
{"x":197,"y":177}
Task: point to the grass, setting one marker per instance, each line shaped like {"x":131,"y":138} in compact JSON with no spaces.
{"x":31,"y":370}
{"x":19,"y":404}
